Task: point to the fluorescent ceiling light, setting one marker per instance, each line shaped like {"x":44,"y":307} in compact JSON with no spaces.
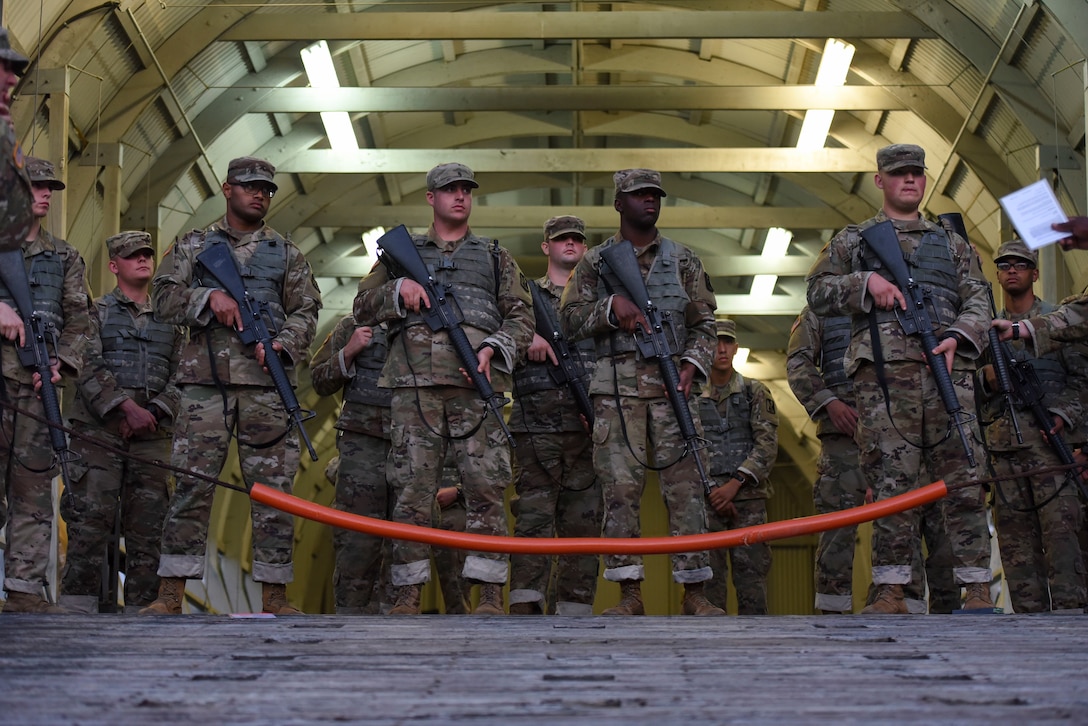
{"x":834,"y":65}
{"x":774,"y":247}
{"x":321,"y":73}
{"x":741,"y":357}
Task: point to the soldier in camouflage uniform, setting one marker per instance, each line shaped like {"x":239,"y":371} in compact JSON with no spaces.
{"x":350,"y":360}
{"x":225,"y":391}
{"x":631,"y":412}
{"x":1038,"y":516}
{"x":905,"y":439}
{"x":557,"y":492}
{"x":741,"y":423}
{"x":15,"y":213}
{"x":59,"y":290}
{"x":817,"y":375}
{"x":128,"y":398}
{"x":435,"y":407}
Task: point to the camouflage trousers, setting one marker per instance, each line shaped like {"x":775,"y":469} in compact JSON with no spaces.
{"x":26,"y":461}
{"x":1040,"y":548}
{"x":913,"y":447}
{"x":750,"y":564}
{"x":107,"y":486}
{"x":201,"y":441}
{"x":426,"y":423}
{"x":840,"y":485}
{"x":623,"y":438}
{"x":449,"y":562}
{"x":557,"y":496}
{"x":930,"y":568}
{"x":361,"y":489}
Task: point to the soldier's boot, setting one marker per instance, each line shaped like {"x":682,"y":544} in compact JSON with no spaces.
{"x":83,"y":604}
{"x":978,"y":596}
{"x":171,"y":593}
{"x":25,"y":602}
{"x":888,"y":601}
{"x":696,"y":603}
{"x":274,"y":599}
{"x":630,"y":600}
{"x":525,"y":608}
{"x":490,"y":600}
{"x":407,"y":602}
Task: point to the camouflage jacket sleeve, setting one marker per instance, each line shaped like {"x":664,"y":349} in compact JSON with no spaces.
{"x":974,"y":316}
{"x":801,"y":370}
{"x":76,"y":302}
{"x":1071,"y":407}
{"x":328,"y":370}
{"x":174,"y":300}
{"x":169,"y":399}
{"x":764,"y":421}
{"x":699,"y":316}
{"x":581,"y":314}
{"x":515,"y":334}
{"x":1067,"y":324}
{"x":378,"y":299}
{"x":301,"y":302}
{"x":836,"y":283}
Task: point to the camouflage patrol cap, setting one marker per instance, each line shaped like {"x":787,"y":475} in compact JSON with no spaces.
{"x":726,"y":329}
{"x":630,"y":180}
{"x":445,"y":174}
{"x":126,"y":244}
{"x":566,"y":224}
{"x":900,"y":156}
{"x":17,"y":61}
{"x":251,"y":169}
{"x":1017,"y":248}
{"x":41,"y":171}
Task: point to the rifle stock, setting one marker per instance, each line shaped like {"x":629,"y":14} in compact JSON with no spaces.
{"x":653,"y":344}
{"x":34,"y":354}
{"x":397,"y":247}
{"x":884,"y":242}
{"x":568,"y":372}
{"x":218,"y":260}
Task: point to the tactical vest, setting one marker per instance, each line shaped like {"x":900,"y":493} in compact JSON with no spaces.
{"x":262,"y":274}
{"x":534,"y":377}
{"x":666,"y":290}
{"x":470,"y":274}
{"x":139,"y":356}
{"x":834,"y":341}
{"x":1052,"y":376}
{"x":363,"y":388}
{"x":933,"y":269}
{"x":46,"y":275}
{"x":730,"y":433}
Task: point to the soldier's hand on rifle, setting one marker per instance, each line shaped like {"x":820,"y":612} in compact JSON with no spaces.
{"x":721,"y":497}
{"x":687,"y":377}
{"x":359,"y":339}
{"x":843,"y":416}
{"x":483,"y":356}
{"x":541,"y":350}
{"x":414,"y":295}
{"x":989,"y":377}
{"x":1081,"y":458}
{"x":886,"y":295}
{"x":259,"y":351}
{"x":446,"y":496}
{"x":11,"y":325}
{"x":54,"y":368}
{"x":1059,"y":426}
{"x":947,"y":348}
{"x":1008,"y":330}
{"x":225,"y":309}
{"x":138,"y":420}
{"x":628,"y":315}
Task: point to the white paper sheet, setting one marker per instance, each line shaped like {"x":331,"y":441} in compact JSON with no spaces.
{"x":1032,"y":210}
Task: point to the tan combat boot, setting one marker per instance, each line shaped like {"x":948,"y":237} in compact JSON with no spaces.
{"x":978,"y":596}
{"x":631,"y":601}
{"x":888,"y":601}
{"x":171,"y":593}
{"x":274,"y":599}
{"x":696,"y":603}
{"x":490,"y":600}
{"x":25,"y":602}
{"x":407,"y":601}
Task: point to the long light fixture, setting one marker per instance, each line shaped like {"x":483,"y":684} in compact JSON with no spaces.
{"x":317,"y":61}
{"x":774,"y":248}
{"x":834,"y":65}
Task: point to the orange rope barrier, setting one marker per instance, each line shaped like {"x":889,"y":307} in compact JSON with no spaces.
{"x":594,"y":545}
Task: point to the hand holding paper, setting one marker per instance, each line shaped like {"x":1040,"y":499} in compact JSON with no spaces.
{"x":1033,"y":210}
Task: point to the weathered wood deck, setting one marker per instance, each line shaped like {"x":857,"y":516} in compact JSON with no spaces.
{"x":662,"y":670}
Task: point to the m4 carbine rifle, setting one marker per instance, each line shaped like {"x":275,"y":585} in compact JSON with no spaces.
{"x":219,"y":261}
{"x":884,"y":242}
{"x":654,"y":344}
{"x":34,"y":354}
{"x":402,"y":259}
{"x":568,"y":372}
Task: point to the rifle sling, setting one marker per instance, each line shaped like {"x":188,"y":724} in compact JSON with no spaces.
{"x":228,"y":424}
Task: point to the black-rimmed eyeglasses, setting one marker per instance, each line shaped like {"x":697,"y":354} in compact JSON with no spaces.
{"x":255,"y":188}
{"x":1018,"y":266}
